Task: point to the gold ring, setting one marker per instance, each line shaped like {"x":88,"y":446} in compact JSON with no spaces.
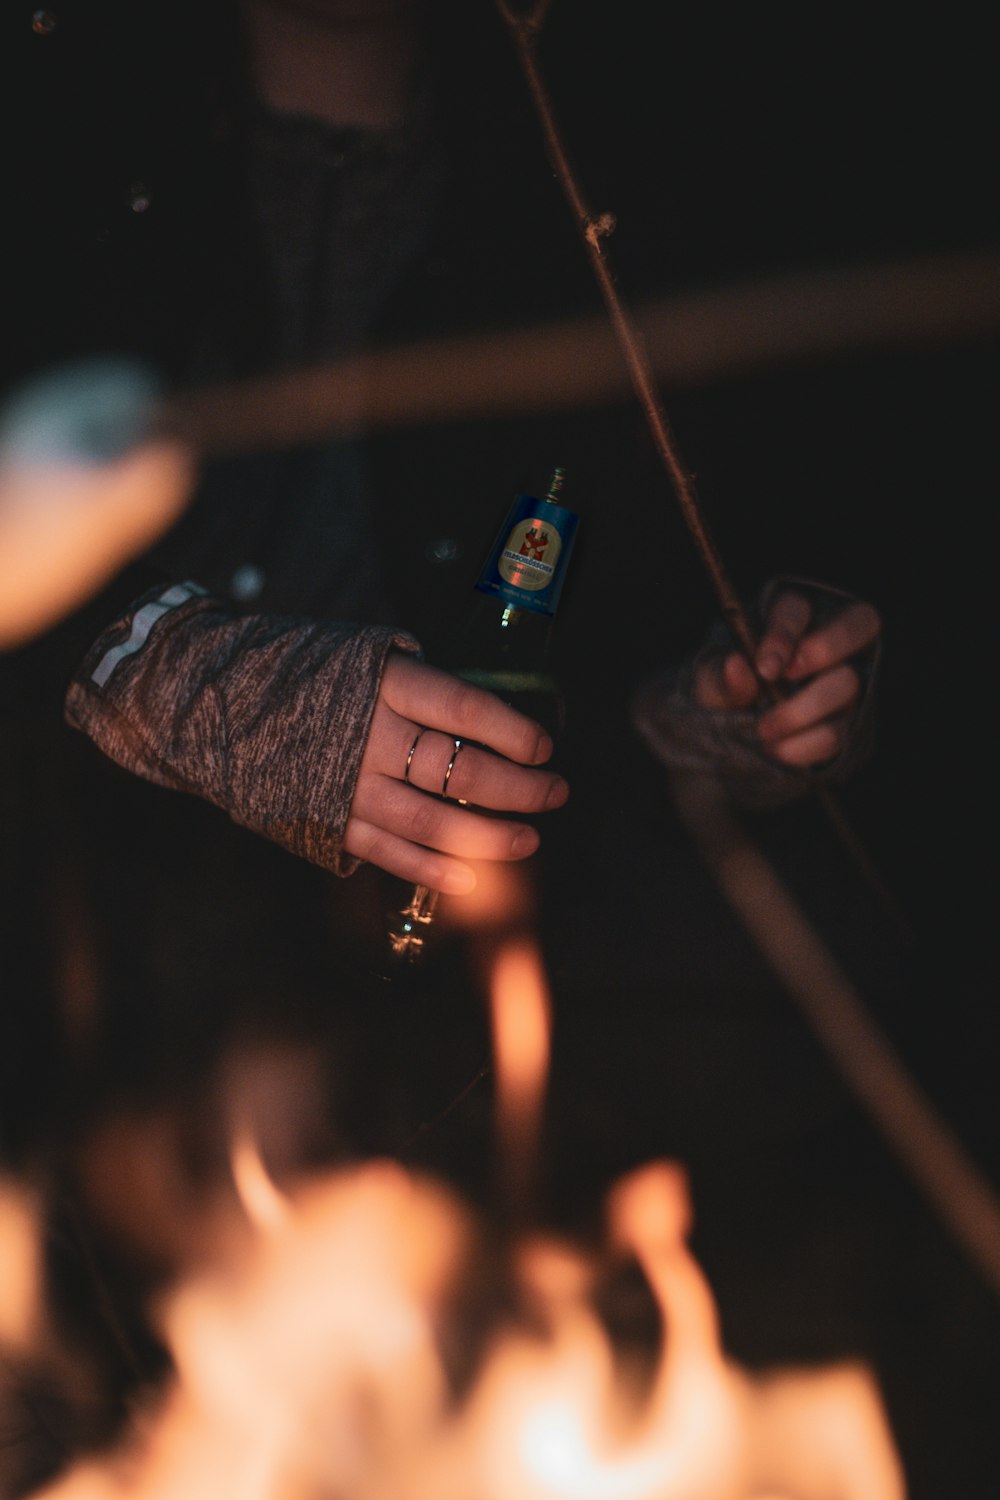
{"x":457,"y":744}
{"x":409,"y":758}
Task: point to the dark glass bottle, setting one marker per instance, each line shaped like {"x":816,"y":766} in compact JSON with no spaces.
{"x":505,"y":644}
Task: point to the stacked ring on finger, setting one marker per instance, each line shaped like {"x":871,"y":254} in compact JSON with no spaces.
{"x":456,"y":745}
{"x":409,"y":758}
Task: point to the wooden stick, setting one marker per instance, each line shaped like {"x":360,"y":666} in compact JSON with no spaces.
{"x":524,"y":28}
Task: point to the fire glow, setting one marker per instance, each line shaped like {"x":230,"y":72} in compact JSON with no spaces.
{"x":313,"y":1352}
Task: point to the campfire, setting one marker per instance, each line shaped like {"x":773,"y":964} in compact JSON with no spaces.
{"x":361,"y":1333}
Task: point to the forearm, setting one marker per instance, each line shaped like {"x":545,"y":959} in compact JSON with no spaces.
{"x":266,"y":717}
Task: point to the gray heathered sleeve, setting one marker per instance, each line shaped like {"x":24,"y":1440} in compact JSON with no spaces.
{"x":725,"y":744}
{"x":267,"y":717}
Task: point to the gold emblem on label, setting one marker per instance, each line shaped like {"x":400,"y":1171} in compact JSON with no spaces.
{"x":529,"y":556}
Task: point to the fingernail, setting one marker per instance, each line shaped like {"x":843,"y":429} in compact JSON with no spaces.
{"x":544,"y":748}
{"x":769,"y":667}
{"x":525,"y":841}
{"x":459,"y":882}
{"x":557,"y":794}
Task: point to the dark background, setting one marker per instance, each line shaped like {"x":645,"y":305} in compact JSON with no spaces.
{"x":730,"y":148}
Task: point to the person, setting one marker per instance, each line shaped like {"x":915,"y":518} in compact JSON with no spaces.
{"x":335,"y":743}
{"x":333,"y":82}
{"x":330,"y":187}
{"x":273,"y":205}
{"x":283,"y":650}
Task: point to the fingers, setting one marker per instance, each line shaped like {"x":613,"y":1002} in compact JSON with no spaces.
{"x":440,"y":701}
{"x":725,"y":683}
{"x":820,"y":709}
{"x":805,"y":729}
{"x":443,"y":826}
{"x":811,"y":725}
{"x":398,"y":856}
{"x":409,"y":748}
{"x":418,"y":744}
{"x":855,"y":629}
{"x":467,"y":773}
{"x":787,"y":622}
{"x":813,"y":746}
{"x":788,"y":651}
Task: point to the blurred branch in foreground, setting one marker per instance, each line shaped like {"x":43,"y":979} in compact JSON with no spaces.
{"x":691,"y":339}
{"x":961,"y":1195}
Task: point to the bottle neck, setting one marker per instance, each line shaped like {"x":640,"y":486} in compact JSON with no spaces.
{"x":513,"y":630}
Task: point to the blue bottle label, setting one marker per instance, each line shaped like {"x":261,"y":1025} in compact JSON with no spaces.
{"x":527,"y":563}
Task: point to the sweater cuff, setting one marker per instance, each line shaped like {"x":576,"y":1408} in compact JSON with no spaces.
{"x":267,"y":717}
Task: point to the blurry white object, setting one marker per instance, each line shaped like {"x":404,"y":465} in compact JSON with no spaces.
{"x":85,"y":486}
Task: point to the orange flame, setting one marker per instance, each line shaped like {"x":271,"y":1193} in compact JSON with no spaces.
{"x":521,"y":1017}
{"x":20,"y":1279}
{"x":309,"y":1364}
{"x":521,"y":1012}
{"x":309,"y":1350}
{"x":265,"y":1205}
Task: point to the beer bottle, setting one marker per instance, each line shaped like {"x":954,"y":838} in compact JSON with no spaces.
{"x":505,"y":647}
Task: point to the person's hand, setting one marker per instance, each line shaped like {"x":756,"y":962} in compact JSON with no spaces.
{"x":812,"y":666}
{"x":398,"y":819}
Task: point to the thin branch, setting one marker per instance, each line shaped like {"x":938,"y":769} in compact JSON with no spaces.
{"x":532,"y":18}
{"x":595,"y":229}
{"x":427,"y":1126}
